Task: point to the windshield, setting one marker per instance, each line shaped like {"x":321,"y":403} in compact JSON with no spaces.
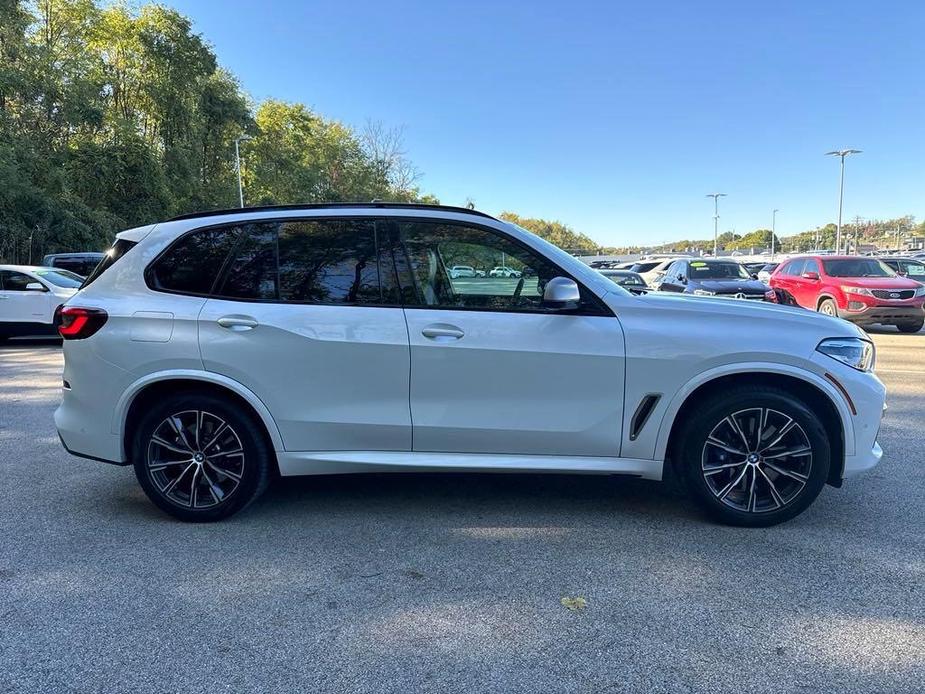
{"x":856,"y":267}
{"x":718,"y":271}
{"x":61,"y":278}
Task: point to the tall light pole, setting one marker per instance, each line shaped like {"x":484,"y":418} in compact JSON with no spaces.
{"x":716,"y":197}
{"x":773,"y":229}
{"x":841,"y":153}
{"x":237,"y":164}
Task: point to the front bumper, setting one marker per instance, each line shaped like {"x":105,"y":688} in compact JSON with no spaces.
{"x":884,"y":313}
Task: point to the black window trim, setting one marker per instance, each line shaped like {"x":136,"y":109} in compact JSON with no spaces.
{"x":598,"y":308}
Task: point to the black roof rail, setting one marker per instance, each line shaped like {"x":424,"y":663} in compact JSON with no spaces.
{"x":334,"y":206}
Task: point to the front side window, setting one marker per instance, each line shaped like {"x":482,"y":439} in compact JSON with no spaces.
{"x":795,"y":268}
{"x":810,"y":266}
{"x":14,"y":281}
{"x":506,"y":276}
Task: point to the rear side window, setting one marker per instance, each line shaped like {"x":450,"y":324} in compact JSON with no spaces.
{"x":327,"y":261}
{"x":192,"y":264}
{"x":119,"y":249}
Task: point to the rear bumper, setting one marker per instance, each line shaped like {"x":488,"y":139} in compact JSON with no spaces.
{"x":83,"y":436}
{"x":890,"y":315}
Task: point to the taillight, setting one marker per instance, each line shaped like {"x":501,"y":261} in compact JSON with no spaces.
{"x":76,"y":323}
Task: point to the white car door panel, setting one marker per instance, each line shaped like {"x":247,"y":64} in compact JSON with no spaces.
{"x":516,"y":383}
{"x":334,"y":377}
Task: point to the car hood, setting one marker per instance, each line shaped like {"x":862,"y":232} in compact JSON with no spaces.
{"x":877,"y":282}
{"x":757,"y":314}
{"x":733,"y":286}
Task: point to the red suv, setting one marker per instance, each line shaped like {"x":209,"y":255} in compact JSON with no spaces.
{"x":862,"y":290}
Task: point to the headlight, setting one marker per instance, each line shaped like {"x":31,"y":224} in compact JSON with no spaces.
{"x":920,"y":291}
{"x":704,"y":292}
{"x":853,"y":351}
{"x":864,"y":291}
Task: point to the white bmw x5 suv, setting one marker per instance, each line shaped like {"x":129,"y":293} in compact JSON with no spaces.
{"x":216,"y":350}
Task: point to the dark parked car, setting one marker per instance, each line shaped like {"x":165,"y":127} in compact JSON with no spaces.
{"x":725,"y":278}
{"x":629,"y":280}
{"x":913,"y":268}
{"x":79,"y":263}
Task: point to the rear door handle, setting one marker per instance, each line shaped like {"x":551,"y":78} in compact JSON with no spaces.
{"x":442,"y":332}
{"x":237,"y":323}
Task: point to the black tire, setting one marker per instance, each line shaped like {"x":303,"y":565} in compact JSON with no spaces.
{"x":911,"y":327}
{"x":227,"y":481}
{"x":699,"y":462}
{"x":828,"y":307}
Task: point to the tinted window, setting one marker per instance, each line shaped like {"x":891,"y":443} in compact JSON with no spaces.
{"x":702,"y":270}
{"x":645,"y":267}
{"x":251,"y":273}
{"x":119,"y":249}
{"x":14,"y":281}
{"x":795,"y":267}
{"x":334,"y":261}
{"x":509,"y":277}
{"x":312,"y":261}
{"x":856,"y":267}
{"x":191,"y":265}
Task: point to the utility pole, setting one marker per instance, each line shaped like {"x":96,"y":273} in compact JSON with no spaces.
{"x":716,"y":197}
{"x":857,"y":232}
{"x":841,"y":153}
{"x":237,"y":164}
{"x":773,"y":230}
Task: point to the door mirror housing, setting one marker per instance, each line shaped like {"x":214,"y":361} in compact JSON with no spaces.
{"x":682,"y":279}
{"x":754,"y":275}
{"x":35,"y":287}
{"x":561,"y":293}
{"x":811,"y":276}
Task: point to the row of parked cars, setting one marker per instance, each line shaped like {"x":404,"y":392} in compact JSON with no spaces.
{"x":864,"y":290}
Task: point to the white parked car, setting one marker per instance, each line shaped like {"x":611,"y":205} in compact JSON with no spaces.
{"x":652,"y":271}
{"x":30,"y":295}
{"x":502,"y":271}
{"x":462,"y":271}
{"x":214,"y":350}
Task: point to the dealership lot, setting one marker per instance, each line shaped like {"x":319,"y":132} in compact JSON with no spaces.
{"x":453,"y":582}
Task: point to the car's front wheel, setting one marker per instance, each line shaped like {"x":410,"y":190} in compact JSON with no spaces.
{"x":912,"y":327}
{"x":199,"y":457}
{"x":828,"y":307}
{"x":753,"y":457}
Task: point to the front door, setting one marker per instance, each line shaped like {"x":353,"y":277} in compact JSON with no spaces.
{"x":21,"y":305}
{"x":493,"y":370}
{"x":308,"y":318}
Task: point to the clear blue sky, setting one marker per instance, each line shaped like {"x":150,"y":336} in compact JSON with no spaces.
{"x":615,"y":118}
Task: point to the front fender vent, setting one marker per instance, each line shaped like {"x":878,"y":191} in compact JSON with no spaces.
{"x":646,"y":405}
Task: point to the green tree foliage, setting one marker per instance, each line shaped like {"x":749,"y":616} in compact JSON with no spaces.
{"x":555,"y":232}
{"x":112,"y":117}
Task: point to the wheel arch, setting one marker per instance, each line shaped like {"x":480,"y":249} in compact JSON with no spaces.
{"x":816,"y":394}
{"x":132,"y":402}
{"x":826,"y":295}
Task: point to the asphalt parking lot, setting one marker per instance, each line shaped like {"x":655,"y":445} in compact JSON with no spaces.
{"x":426,"y":583}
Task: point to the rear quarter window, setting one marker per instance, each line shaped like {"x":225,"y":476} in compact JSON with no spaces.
{"x":119,"y":249}
{"x":191,"y":264}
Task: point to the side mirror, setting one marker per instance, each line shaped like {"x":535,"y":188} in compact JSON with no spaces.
{"x":811,"y":276}
{"x":682,"y":279}
{"x":754,"y":275}
{"x":35,"y":287}
{"x":561,"y":293}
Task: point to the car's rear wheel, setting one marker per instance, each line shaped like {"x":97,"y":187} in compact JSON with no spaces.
{"x":753,"y":457}
{"x":199,"y":457}
{"x":828,"y":307}
{"x":913,"y":327}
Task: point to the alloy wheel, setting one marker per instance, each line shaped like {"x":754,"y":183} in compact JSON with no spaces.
{"x":757,"y":460}
{"x":195,"y":459}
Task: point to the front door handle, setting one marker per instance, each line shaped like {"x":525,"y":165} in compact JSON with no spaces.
{"x":442,"y":332}
{"x":237,"y":323}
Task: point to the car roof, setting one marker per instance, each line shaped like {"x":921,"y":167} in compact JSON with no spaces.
{"x":84,"y":254}
{"x":25,"y":268}
{"x":334,"y":206}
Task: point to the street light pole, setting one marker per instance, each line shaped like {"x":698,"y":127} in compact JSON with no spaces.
{"x":841,"y":153}
{"x":237,"y":165}
{"x":716,"y":197}
{"x":773,"y":231}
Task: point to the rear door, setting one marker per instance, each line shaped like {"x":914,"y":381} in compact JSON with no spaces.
{"x":306,"y":314}
{"x":495,"y":371}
